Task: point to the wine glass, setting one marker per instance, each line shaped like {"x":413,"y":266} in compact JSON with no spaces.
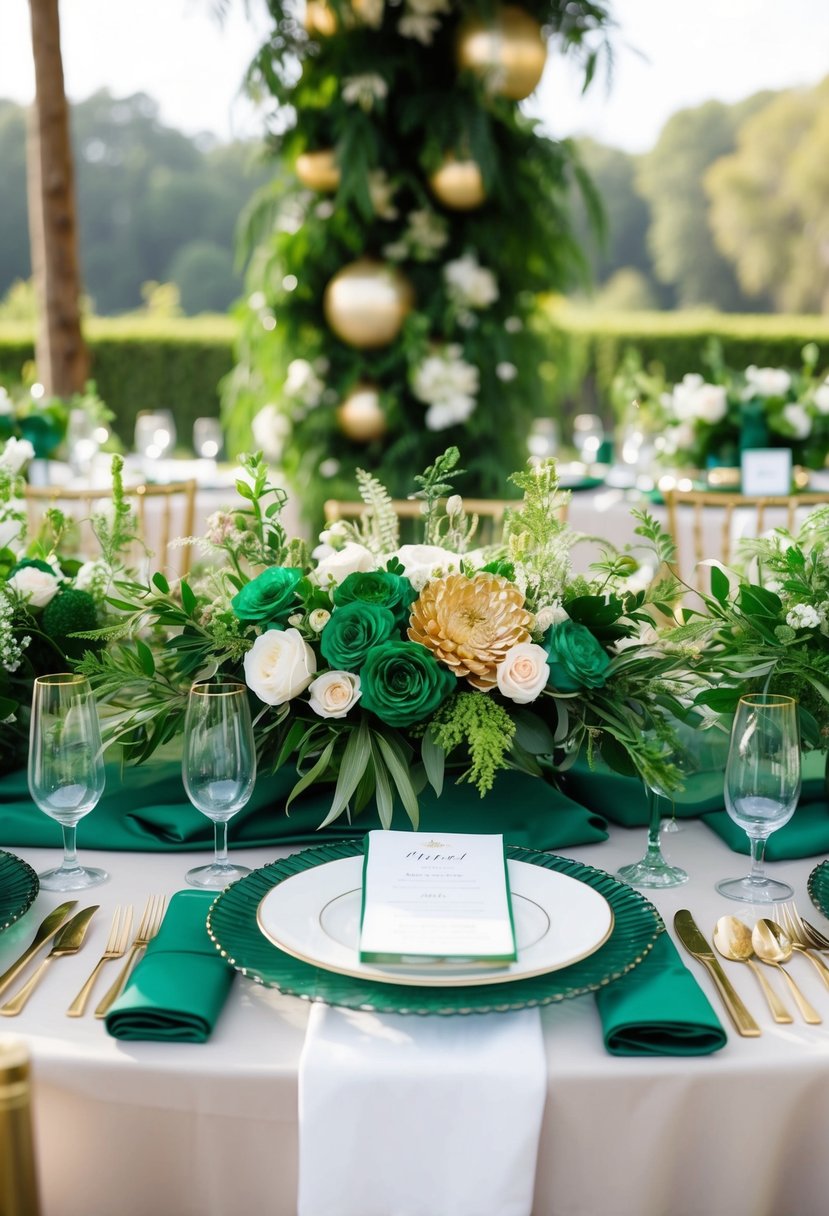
{"x":762,"y":786}
{"x":207,"y":438}
{"x":653,"y":870}
{"x":218,"y":768}
{"x":66,"y":768}
{"x":588,"y":437}
{"x":155,"y":433}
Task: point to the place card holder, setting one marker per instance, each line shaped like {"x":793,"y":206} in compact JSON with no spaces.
{"x":19,"y":1194}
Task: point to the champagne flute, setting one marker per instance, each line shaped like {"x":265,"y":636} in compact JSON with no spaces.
{"x":66,"y":768}
{"x":762,"y":786}
{"x":218,"y":768}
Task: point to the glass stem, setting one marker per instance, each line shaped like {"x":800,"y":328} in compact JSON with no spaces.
{"x":70,"y":852}
{"x":220,"y":842}
{"x":758,"y":853}
{"x":654,"y":819}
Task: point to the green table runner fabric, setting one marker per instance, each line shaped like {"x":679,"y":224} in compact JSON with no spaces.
{"x":659,"y":1009}
{"x":805,"y":835}
{"x":145,"y":808}
{"x":176,"y":992}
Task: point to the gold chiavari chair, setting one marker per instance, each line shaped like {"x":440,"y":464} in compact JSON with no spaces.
{"x":490,"y":512}
{"x":711,"y":523}
{"x":163,"y":513}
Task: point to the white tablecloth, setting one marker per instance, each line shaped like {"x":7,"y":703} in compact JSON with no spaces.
{"x":149,"y":1129}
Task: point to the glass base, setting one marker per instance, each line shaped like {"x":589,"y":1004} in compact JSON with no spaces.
{"x":750,"y":891}
{"x":213,"y":877}
{"x":652,"y":872}
{"x":78,"y":878}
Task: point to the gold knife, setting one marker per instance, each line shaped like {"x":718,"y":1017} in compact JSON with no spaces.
{"x":692,"y":939}
{"x":68,"y":941}
{"x":46,"y":931}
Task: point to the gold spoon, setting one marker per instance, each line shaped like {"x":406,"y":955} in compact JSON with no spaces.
{"x":733,"y":940}
{"x":774,"y":947}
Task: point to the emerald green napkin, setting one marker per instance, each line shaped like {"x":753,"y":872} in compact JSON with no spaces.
{"x":805,"y":835}
{"x":177,"y":990}
{"x":145,"y":808}
{"x":658,"y":1009}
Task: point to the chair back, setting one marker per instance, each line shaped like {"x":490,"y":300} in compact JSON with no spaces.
{"x":163,"y":513}
{"x":490,"y":512}
{"x":711,"y":523}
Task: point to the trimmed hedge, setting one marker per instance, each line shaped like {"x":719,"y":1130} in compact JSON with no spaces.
{"x":140,"y":363}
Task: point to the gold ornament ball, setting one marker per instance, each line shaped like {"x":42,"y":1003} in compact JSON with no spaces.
{"x":458,"y":184}
{"x":366,"y":303}
{"x":508,"y":51}
{"x":320,"y":19}
{"x":360,"y":415}
{"x":318,"y":170}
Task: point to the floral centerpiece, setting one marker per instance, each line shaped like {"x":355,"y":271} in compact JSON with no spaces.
{"x":36,"y":425}
{"x":377,"y":667}
{"x":706,"y":421}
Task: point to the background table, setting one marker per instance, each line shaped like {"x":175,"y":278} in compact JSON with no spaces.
{"x":181,"y":1130}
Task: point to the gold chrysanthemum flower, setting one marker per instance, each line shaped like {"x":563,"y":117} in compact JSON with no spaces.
{"x":470,"y":623}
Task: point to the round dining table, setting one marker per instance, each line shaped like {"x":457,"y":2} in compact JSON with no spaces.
{"x":211,"y":1129}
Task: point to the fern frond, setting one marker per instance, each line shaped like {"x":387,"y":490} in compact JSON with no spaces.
{"x":381,"y":530}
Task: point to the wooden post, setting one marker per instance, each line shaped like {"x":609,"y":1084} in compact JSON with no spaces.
{"x":60,"y":352}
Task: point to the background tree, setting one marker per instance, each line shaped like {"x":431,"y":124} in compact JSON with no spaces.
{"x":671,"y":180}
{"x":62,"y":357}
{"x":770,"y":201}
{"x":403,"y":152}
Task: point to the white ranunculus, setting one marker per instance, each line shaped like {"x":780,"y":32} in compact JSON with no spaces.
{"x":710,"y":403}
{"x":798,"y":419}
{"x":822,"y":398}
{"x":35,"y":585}
{"x":279,"y":666}
{"x":342,"y":562}
{"x":16,"y":453}
{"x":768,"y":381}
{"x":423,"y":562}
{"x":523,"y":672}
{"x":333,"y":694}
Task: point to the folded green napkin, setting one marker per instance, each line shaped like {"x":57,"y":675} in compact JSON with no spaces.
{"x":145,"y":808}
{"x":658,"y":1009}
{"x":805,"y":835}
{"x":177,"y":990}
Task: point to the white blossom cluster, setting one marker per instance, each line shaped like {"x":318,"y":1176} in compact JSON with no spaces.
{"x":805,"y":616}
{"x":11,"y":648}
{"x":381,"y":191}
{"x":15,"y":454}
{"x":470,"y":285}
{"x":695,"y":399}
{"x":420,"y":20}
{"x":424,"y":236}
{"x":448,"y":385}
{"x":364,"y":90}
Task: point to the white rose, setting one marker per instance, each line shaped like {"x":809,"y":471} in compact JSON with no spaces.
{"x":332,"y":695}
{"x":318,"y":619}
{"x":35,"y":585}
{"x":768,"y":381}
{"x":799,"y":421}
{"x":338,"y":565}
{"x":523,"y":672}
{"x":16,"y":453}
{"x":421,"y":562}
{"x":549,"y":615}
{"x":710,"y":403}
{"x":279,"y":666}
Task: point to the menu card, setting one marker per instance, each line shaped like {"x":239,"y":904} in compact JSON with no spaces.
{"x":434,"y":898}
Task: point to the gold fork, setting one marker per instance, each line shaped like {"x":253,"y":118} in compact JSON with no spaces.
{"x":119,"y":936}
{"x":150,"y":923}
{"x":802,"y":940}
{"x":794,"y":923}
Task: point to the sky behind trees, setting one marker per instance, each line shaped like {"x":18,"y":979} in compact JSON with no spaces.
{"x":667,"y":56}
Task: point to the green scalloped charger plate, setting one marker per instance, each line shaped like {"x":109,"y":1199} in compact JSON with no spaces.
{"x":19,"y":886}
{"x":817,"y":884}
{"x":232,"y":925}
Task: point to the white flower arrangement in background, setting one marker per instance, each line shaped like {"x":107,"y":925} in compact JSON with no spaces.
{"x":448,"y":385}
{"x":364,"y":90}
{"x":468,"y":284}
{"x":420,"y":19}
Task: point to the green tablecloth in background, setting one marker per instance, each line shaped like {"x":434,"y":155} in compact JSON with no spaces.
{"x":146,"y":808}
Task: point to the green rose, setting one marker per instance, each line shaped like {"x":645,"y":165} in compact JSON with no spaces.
{"x":403,"y":683}
{"x":352,"y":632}
{"x":575,"y":658}
{"x":269,"y":598}
{"x":380,"y":587}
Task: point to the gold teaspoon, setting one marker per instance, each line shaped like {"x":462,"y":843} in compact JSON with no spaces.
{"x":733,"y":940}
{"x":774,"y":947}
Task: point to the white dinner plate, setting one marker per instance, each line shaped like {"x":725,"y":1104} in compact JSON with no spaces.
{"x":315,"y":916}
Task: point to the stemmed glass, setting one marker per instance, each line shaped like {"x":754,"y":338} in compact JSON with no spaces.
{"x":66,"y":768}
{"x":762,"y":786}
{"x":218,"y":768}
{"x":653,"y":870}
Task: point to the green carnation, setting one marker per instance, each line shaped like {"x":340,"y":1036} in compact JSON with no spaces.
{"x":575,"y":658}
{"x":403,"y":683}
{"x":352,"y":632}
{"x":269,"y":598}
{"x":71,"y":611}
{"x":392,"y":591}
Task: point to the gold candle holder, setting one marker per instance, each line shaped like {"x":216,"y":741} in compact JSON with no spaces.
{"x":18,"y":1173}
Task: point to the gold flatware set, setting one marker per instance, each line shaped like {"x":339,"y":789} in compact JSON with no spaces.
{"x":770,"y":943}
{"x":69,"y":936}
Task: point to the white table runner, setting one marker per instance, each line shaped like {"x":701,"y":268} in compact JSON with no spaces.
{"x":419,"y":1116}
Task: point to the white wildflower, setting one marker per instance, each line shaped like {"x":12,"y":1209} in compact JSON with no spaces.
{"x":469,"y":284}
{"x":425,"y":235}
{"x":802,"y":616}
{"x":11,"y":648}
{"x":364,"y":90}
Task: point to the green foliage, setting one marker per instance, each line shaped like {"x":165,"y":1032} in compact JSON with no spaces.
{"x":481,"y":725}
